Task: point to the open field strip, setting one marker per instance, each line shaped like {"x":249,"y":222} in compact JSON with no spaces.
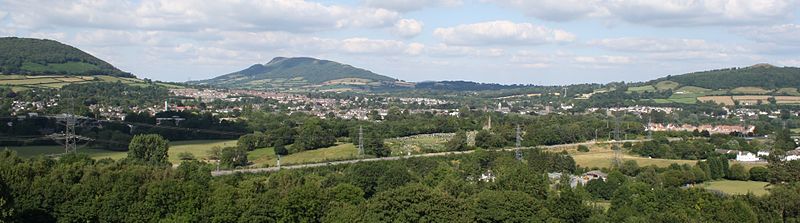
{"x":733,"y":187}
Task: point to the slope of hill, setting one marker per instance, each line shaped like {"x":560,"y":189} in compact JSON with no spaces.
{"x":283,"y":72}
{"x":759,"y":75}
{"x":48,"y":57}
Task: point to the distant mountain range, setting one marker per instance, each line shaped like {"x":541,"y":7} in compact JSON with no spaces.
{"x":301,"y":72}
{"x":29,"y":56}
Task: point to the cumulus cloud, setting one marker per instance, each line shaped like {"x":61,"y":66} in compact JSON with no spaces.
{"x":502,"y":33}
{"x":632,"y":44}
{"x":605,"y":59}
{"x":372,"y":46}
{"x":557,"y":10}
{"x":193,"y":15}
{"x":661,"y":13}
{"x":784,"y":34}
{"x":672,"y":48}
{"x":409,"y":5}
{"x":408,"y":28}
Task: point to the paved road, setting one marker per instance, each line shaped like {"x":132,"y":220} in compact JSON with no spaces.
{"x":300,"y":166}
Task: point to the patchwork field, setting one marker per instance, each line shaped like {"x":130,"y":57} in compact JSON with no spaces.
{"x":21,"y":82}
{"x":737,"y":187}
{"x":750,"y":99}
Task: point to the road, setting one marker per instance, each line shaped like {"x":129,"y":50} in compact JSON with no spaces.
{"x":311,"y":165}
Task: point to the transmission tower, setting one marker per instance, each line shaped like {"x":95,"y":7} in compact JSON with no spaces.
{"x":360,"y":141}
{"x":617,"y":149}
{"x":518,"y":144}
{"x":616,"y":127}
{"x":69,"y":120}
{"x":649,"y":128}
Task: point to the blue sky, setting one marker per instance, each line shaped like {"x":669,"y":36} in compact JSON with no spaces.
{"x":500,"y":41}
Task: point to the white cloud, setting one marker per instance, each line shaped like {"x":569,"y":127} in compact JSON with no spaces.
{"x":706,"y":12}
{"x":557,"y":10}
{"x":444,"y":50}
{"x":603,"y":59}
{"x":790,"y":62}
{"x":408,"y":28}
{"x":662,"y":12}
{"x":409,"y":5}
{"x":193,"y":15}
{"x":784,"y":34}
{"x":632,"y":44}
{"x":673,"y":49}
{"x":371,"y":46}
{"x":3,"y":15}
{"x":502,"y":33}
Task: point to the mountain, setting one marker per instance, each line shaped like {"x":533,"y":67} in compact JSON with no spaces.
{"x":48,"y":57}
{"x":302,"y":72}
{"x":759,"y":75}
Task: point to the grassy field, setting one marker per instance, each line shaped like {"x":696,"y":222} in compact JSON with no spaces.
{"x":602,"y":156}
{"x":789,"y":91}
{"x":417,"y":144}
{"x":199,"y":148}
{"x":796,"y":131}
{"x":749,"y":90}
{"x":665,"y":85}
{"x":737,"y":187}
{"x":266,"y":156}
{"x":640,"y":89}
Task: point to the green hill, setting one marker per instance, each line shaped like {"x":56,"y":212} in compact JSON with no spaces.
{"x":283,"y":72}
{"x":761,"y":75}
{"x":28,"y":56}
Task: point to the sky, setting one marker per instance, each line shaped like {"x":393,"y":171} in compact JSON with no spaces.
{"x":545,"y":42}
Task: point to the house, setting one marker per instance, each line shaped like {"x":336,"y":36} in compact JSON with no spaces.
{"x":593,"y":175}
{"x":761,"y":153}
{"x":793,"y":155}
{"x":487,"y":176}
{"x":746,"y":157}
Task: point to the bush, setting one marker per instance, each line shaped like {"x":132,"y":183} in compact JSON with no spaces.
{"x":737,"y":172}
{"x":759,"y":173}
{"x":186,"y":156}
{"x":583,"y":148}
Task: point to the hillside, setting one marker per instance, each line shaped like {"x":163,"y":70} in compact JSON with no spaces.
{"x":48,"y":57}
{"x":753,"y":85}
{"x":759,"y":75}
{"x":283,"y":72}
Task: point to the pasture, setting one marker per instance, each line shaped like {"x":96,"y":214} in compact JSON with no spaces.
{"x":426,"y":143}
{"x":266,"y":156}
{"x":198,"y":148}
{"x":733,"y":187}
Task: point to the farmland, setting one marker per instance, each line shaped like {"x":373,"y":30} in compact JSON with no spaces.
{"x":22,"y":82}
{"x":750,"y":99}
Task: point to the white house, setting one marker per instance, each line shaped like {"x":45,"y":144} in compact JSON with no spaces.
{"x":793,"y":155}
{"x":762,"y":153}
{"x":746,"y":157}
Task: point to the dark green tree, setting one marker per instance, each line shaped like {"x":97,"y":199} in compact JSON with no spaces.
{"x":458,"y":142}
{"x":149,"y":149}
{"x":231,"y":157}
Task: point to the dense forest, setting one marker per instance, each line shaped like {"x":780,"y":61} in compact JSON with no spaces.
{"x":41,"y":56}
{"x":480,"y":187}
